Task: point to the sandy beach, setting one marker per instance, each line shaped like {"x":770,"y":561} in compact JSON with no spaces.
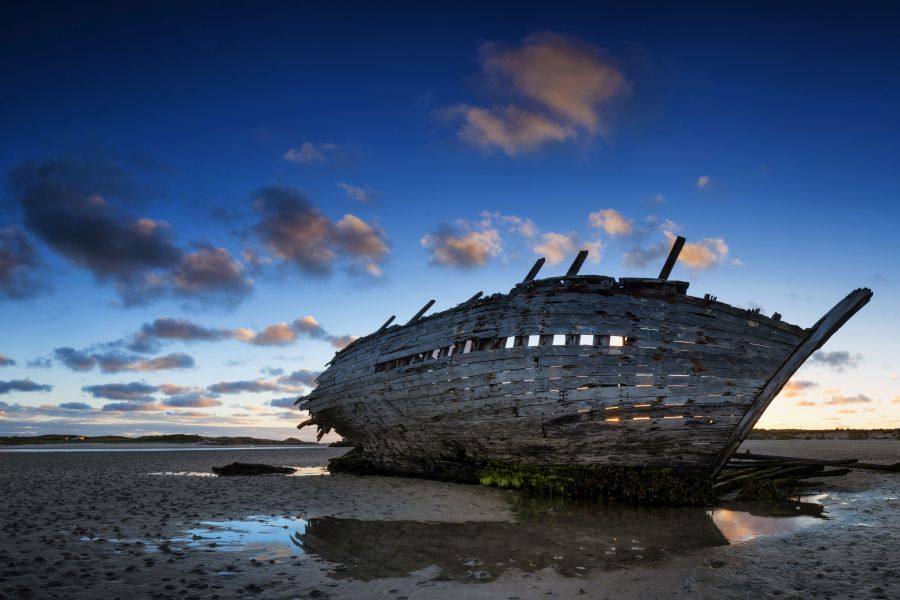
{"x":125,"y":525}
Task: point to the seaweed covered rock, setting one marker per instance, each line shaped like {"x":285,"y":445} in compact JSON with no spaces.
{"x":238,"y":468}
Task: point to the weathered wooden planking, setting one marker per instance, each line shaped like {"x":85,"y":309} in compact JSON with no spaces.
{"x":662,"y":327}
{"x":548,"y":287}
{"x":589,"y":285}
{"x":600,"y":443}
{"x":442,"y":371}
{"x":461,"y":324}
{"x":660,"y":355}
{"x":479,"y":388}
{"x":680,"y":309}
{"x":649,"y":339}
{"x":705,"y":354}
{"x":434,"y":407}
{"x":465,"y":322}
{"x":718,"y":429}
{"x":431,"y":407}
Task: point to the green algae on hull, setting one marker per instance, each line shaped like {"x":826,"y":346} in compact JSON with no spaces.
{"x":636,"y":485}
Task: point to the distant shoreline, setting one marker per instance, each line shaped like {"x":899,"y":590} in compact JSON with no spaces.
{"x":149,"y":447}
{"x":824,"y":434}
{"x":174,"y":441}
{"x":167,"y":440}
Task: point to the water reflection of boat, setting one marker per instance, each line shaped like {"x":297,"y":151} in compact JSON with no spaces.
{"x":742,"y":521}
{"x":573,"y":371}
{"x":777,"y":509}
{"x":571,"y":539}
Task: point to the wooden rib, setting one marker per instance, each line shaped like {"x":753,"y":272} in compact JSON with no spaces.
{"x":818,"y":335}
{"x":386,"y":323}
{"x":421,"y":312}
{"x":673,"y":256}
{"x":577,"y":263}
{"x":534,"y":270}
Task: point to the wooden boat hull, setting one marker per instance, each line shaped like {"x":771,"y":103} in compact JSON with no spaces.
{"x":565,"y":372}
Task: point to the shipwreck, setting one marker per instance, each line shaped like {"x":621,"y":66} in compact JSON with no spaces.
{"x":583,"y":384}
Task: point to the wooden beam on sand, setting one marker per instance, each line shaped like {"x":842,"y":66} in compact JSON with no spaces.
{"x":576,"y":264}
{"x":673,"y":256}
{"x":752,"y":456}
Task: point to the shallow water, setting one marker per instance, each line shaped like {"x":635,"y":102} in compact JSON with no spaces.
{"x":571,"y":538}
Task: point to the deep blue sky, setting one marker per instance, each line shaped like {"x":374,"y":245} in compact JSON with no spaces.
{"x":184,"y":113}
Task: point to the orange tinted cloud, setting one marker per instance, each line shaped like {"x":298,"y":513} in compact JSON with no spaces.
{"x":461,"y":244}
{"x":838,"y":400}
{"x":569,"y":79}
{"x":702,"y":254}
{"x":559,"y":88}
{"x":793,"y":388}
{"x":278,"y":334}
{"x":510,"y":128}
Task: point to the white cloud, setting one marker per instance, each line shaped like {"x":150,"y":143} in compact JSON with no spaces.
{"x":309,"y":152}
{"x":611,"y":221}
{"x":513,"y":223}
{"x":355,"y":192}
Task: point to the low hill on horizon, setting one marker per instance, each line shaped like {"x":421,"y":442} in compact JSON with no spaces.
{"x":172,"y":438}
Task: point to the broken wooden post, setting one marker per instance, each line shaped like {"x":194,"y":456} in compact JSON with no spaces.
{"x":673,"y":256}
{"x":576,"y":264}
{"x":472,"y":299}
{"x":386,"y":323}
{"x":421,"y":312}
{"x":534,"y":270}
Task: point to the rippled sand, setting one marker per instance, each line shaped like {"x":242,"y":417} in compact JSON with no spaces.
{"x":122,"y":524}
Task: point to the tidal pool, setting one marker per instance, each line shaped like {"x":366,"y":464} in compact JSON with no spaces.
{"x":570,"y":537}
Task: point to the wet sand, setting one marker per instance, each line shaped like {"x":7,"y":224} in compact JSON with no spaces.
{"x":99,"y":525}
